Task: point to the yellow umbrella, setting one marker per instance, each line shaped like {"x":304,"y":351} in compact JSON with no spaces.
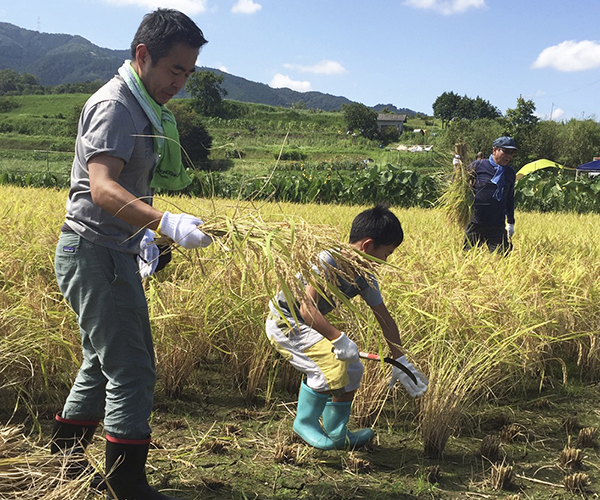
{"x":536,"y":165}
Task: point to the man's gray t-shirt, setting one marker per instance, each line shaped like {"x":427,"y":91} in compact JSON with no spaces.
{"x":112,"y":122}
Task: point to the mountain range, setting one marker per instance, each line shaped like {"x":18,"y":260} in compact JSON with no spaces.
{"x":60,"y":58}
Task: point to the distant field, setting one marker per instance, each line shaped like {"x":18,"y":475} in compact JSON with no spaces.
{"x":50,"y":105}
{"x":251,"y":142}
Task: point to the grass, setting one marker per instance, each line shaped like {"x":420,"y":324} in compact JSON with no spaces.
{"x":48,"y":105}
{"x":495,"y":336}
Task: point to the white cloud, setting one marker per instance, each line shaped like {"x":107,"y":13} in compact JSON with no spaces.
{"x":190,"y":7}
{"x":446,"y":7}
{"x":223,"y":68}
{"x":279,"y":81}
{"x":557,"y":115}
{"x":570,"y":56}
{"x":246,"y":7}
{"x":324,"y":67}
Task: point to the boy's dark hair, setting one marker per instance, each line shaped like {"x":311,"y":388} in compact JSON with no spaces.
{"x":162,"y":29}
{"x":379,"y":224}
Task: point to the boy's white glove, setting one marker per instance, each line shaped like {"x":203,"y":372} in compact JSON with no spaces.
{"x":510,"y":230}
{"x":183,"y":230}
{"x":344,"y":349}
{"x":147,"y":259}
{"x":399,"y":376}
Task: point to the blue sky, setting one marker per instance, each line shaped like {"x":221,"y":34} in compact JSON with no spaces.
{"x":403,"y":52}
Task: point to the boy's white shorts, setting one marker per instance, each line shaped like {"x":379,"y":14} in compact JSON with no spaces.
{"x":309,"y":352}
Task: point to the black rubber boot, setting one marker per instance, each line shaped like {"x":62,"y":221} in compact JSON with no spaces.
{"x":126,"y":470}
{"x":72,"y":437}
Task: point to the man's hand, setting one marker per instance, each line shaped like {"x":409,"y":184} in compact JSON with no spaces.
{"x":344,"y":349}
{"x":183,"y":230}
{"x":414,"y":390}
{"x":148,"y":256}
{"x":510,"y":230}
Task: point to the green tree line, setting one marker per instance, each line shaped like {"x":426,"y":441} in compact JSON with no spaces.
{"x":13,"y":83}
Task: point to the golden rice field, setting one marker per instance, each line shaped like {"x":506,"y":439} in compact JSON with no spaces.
{"x":510,"y":346}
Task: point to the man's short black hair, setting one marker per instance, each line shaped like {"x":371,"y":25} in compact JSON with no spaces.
{"x":379,"y":224}
{"x":162,"y":29}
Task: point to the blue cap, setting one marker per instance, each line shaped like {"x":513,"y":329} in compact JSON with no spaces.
{"x":505,"y":143}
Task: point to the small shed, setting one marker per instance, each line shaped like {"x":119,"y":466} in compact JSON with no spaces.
{"x":391,"y":120}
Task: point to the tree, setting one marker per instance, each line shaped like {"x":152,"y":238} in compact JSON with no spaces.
{"x":521,"y":124}
{"x":358,"y":117}
{"x":445,"y":107}
{"x":193,"y":136}
{"x":207,"y":93}
{"x":484,"y":109}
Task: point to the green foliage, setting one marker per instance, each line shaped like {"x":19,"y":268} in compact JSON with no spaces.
{"x":7,"y":104}
{"x":207,"y":93}
{"x":369,"y":185}
{"x":545,"y":191}
{"x":358,"y":117}
{"x":293,"y":155}
{"x":478,"y":135}
{"x":194,"y":138}
{"x":450,"y":106}
{"x":521,"y":124}
{"x":12,"y":83}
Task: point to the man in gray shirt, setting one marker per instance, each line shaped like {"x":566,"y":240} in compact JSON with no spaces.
{"x":126,"y":147}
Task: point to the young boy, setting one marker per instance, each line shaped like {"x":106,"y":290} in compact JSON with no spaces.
{"x":327,"y":357}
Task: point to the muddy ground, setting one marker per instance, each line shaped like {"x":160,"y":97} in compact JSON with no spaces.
{"x":210,"y":444}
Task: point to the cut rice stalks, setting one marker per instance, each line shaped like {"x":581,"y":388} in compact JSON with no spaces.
{"x":31,"y":473}
{"x":457,"y":198}
{"x":287,"y":248}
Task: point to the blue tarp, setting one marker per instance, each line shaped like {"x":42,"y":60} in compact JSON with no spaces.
{"x":590,"y":166}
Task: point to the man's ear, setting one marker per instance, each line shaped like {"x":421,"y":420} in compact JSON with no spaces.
{"x":141,"y":54}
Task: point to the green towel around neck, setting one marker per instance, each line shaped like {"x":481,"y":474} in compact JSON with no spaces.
{"x":170,"y":172}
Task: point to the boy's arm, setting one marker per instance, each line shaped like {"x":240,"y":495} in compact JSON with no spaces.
{"x":342,"y":347}
{"x":389,"y":328}
{"x":315,"y":318}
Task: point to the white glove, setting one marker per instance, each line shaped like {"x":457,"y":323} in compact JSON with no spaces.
{"x":399,"y":376}
{"x":510,"y":229}
{"x":183,"y":230}
{"x":148,"y":256}
{"x":344,"y":349}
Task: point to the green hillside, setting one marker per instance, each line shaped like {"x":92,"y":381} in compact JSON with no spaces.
{"x":252,"y":142}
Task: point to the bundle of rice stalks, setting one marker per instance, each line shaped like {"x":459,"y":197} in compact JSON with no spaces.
{"x":457,"y":198}
{"x":512,"y":432}
{"x":30,"y":473}
{"x":490,"y":448}
{"x":354,"y":464}
{"x":571,"y":458}
{"x":287,"y":247}
{"x":570,"y":423}
{"x":587,"y":437}
{"x":576,"y":483}
{"x":501,"y":476}
{"x":432,"y":473}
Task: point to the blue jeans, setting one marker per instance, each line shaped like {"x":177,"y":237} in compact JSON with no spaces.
{"x":117,"y":376}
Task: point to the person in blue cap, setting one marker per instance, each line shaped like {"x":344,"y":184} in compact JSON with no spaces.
{"x":493,"y":183}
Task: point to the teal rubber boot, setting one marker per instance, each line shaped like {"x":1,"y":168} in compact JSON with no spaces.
{"x":306,"y":423}
{"x":335,"y":423}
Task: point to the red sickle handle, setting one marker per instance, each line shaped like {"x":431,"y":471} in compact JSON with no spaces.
{"x":391,"y":361}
